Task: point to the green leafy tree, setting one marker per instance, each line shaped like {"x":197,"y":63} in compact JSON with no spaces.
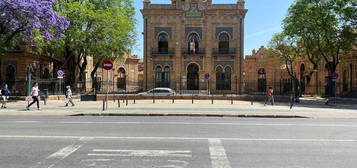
{"x":326,"y":28}
{"x":102,"y":29}
{"x":288,"y":49}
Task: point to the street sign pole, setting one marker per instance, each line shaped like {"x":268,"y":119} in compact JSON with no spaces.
{"x":106,"y":103}
{"x":107,"y":65}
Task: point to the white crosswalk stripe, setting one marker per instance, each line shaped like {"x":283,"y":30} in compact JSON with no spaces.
{"x":218,"y":154}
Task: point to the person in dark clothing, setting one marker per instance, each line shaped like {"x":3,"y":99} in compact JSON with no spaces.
{"x":5,"y":93}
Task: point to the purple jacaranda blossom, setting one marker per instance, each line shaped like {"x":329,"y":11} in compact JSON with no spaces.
{"x":27,"y":15}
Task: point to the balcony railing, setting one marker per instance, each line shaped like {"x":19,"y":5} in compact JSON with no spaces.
{"x":224,"y":51}
{"x":163,"y":51}
{"x":186,"y":51}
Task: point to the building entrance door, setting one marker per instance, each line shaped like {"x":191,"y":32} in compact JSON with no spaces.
{"x":193,"y":77}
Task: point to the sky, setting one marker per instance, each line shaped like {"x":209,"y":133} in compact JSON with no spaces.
{"x":263,"y":20}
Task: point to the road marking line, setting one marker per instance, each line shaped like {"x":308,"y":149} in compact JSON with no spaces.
{"x":218,"y":154}
{"x":86,"y":138}
{"x":97,"y":160}
{"x":64,"y":152}
{"x":56,"y":157}
{"x":141,"y":153}
{"x":27,"y":121}
{"x":179,"y":138}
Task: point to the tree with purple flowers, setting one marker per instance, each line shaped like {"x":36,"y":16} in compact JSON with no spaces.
{"x":22,"y":19}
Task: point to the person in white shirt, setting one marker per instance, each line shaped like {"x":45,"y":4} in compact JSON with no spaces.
{"x":69,"y":96}
{"x":34,"y":93}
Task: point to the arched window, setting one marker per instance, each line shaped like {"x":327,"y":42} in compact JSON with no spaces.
{"x":166,"y":77}
{"x":46,"y":73}
{"x":158,"y":76}
{"x":262,"y":82}
{"x":162,"y":77}
{"x":228,"y":74}
{"x":345,"y":81}
{"x":193,"y":77}
{"x":10,"y":76}
{"x":163,"y":43}
{"x":121,"y":81}
{"x":223,"y":45}
{"x":193,"y":43}
{"x":223,"y":78}
{"x":220,"y":78}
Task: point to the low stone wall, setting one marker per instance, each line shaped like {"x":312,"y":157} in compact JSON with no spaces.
{"x":195,"y":97}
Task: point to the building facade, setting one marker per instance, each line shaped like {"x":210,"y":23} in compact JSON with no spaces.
{"x":262,"y":71}
{"x":21,"y":62}
{"x":124,"y":77}
{"x":194,"y":45}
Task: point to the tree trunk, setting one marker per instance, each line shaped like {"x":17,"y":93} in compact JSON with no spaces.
{"x":70,"y":66}
{"x":92,"y":74}
{"x":82,"y":68}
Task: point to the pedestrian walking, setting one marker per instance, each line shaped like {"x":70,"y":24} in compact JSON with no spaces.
{"x":270,"y":96}
{"x":69,"y":96}
{"x":5,"y":93}
{"x":34,"y":94}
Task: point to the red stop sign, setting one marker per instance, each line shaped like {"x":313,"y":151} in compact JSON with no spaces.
{"x":107,"y":65}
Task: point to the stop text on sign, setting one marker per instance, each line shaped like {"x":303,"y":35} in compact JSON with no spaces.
{"x":107,"y":65}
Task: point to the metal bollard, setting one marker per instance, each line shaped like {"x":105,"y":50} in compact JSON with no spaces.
{"x":212,"y":99}
{"x":134,"y":100}
{"x":231,"y":99}
{"x":192,"y":98}
{"x":251,"y":100}
{"x":103,"y":104}
{"x":46,"y":96}
{"x":106,"y":103}
{"x":291,"y":102}
{"x":126,"y":100}
{"x":173,"y":98}
{"x":118,"y":102}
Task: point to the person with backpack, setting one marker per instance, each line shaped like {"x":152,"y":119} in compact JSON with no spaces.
{"x":69,"y":96}
{"x":34,"y":94}
{"x":269,"y":96}
{"x":5,"y":93}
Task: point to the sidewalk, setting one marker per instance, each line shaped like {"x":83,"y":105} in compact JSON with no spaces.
{"x":186,"y":108}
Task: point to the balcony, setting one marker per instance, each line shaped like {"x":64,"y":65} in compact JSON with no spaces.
{"x":163,"y":51}
{"x":224,"y":51}
{"x":200,"y":51}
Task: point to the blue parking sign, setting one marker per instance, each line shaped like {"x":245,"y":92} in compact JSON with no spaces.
{"x":60,"y":74}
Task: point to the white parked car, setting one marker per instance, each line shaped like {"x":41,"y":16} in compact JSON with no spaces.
{"x":159,"y":92}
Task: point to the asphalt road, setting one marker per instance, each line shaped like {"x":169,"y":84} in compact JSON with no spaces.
{"x":176,"y":142}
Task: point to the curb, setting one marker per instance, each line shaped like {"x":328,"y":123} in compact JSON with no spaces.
{"x":192,"y":115}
